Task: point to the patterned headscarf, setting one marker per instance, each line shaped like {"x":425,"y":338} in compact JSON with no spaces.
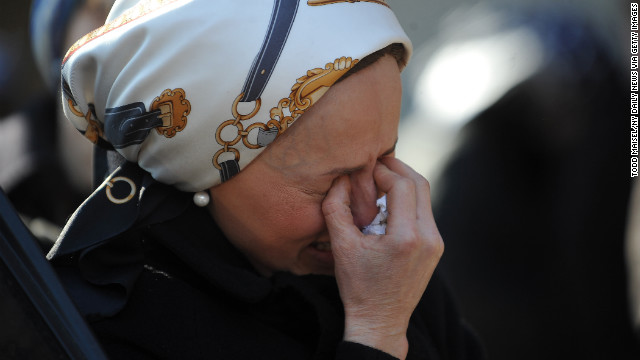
{"x":193,"y":90}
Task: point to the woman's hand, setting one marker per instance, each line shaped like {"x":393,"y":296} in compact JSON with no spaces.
{"x":382,"y":278}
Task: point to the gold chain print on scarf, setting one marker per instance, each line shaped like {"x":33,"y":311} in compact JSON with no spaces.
{"x":328,"y":2}
{"x":174,"y":108}
{"x":304,"y":93}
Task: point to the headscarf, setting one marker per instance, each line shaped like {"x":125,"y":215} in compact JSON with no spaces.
{"x":193,"y":90}
{"x":189,"y":92}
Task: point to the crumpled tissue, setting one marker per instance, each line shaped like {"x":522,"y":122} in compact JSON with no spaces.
{"x":379,"y":224}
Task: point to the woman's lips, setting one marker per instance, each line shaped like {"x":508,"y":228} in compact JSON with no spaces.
{"x":321,"y":253}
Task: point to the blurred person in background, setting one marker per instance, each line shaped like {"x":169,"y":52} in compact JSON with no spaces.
{"x":43,"y":166}
{"x":632,"y":248}
{"x":532,"y":198}
{"x":632,"y":238}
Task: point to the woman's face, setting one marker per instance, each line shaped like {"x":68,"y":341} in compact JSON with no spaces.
{"x":271,"y":210}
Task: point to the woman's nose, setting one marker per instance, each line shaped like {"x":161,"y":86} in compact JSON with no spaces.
{"x":363,"y":198}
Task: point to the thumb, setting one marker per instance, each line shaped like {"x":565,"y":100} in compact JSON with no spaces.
{"x":337,"y":211}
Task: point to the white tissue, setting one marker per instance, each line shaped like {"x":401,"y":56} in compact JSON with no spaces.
{"x":379,"y":224}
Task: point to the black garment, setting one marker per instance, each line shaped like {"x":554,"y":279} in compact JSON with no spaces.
{"x":533,"y":206}
{"x":197,"y":297}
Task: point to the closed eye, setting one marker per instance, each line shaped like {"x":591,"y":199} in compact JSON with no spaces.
{"x":350,"y":170}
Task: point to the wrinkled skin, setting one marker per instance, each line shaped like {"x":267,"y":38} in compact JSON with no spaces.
{"x":317,"y":185}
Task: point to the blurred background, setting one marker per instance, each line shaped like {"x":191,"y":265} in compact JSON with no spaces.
{"x":515,"y":111}
{"x":45,"y":166}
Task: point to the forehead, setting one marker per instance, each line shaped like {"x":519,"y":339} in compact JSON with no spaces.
{"x":354,"y":122}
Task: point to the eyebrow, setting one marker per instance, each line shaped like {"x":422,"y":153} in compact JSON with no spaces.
{"x":350,"y":170}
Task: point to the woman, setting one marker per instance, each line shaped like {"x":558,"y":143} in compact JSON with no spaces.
{"x":206,"y":242}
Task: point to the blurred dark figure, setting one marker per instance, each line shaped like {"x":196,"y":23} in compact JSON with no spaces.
{"x":632,"y":249}
{"x":30,"y":171}
{"x":38,"y":160}
{"x":532,"y":205}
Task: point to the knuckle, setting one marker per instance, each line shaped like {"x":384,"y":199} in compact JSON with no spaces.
{"x":406,"y":184}
{"x":331,"y":207}
{"x":423,"y":185}
{"x":328,"y":206}
{"x":409,"y":244}
{"x":436,"y":246}
{"x":430,"y":245}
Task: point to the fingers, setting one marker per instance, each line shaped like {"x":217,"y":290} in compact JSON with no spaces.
{"x":337,"y":211}
{"x":382,"y":279}
{"x":401,"y":200}
{"x":421,"y":188}
{"x":408,"y":202}
{"x":363,"y":199}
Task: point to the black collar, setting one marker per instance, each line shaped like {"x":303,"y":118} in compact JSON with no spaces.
{"x":198,"y":242}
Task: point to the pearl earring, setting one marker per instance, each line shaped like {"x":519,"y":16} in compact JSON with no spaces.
{"x":201,"y":198}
